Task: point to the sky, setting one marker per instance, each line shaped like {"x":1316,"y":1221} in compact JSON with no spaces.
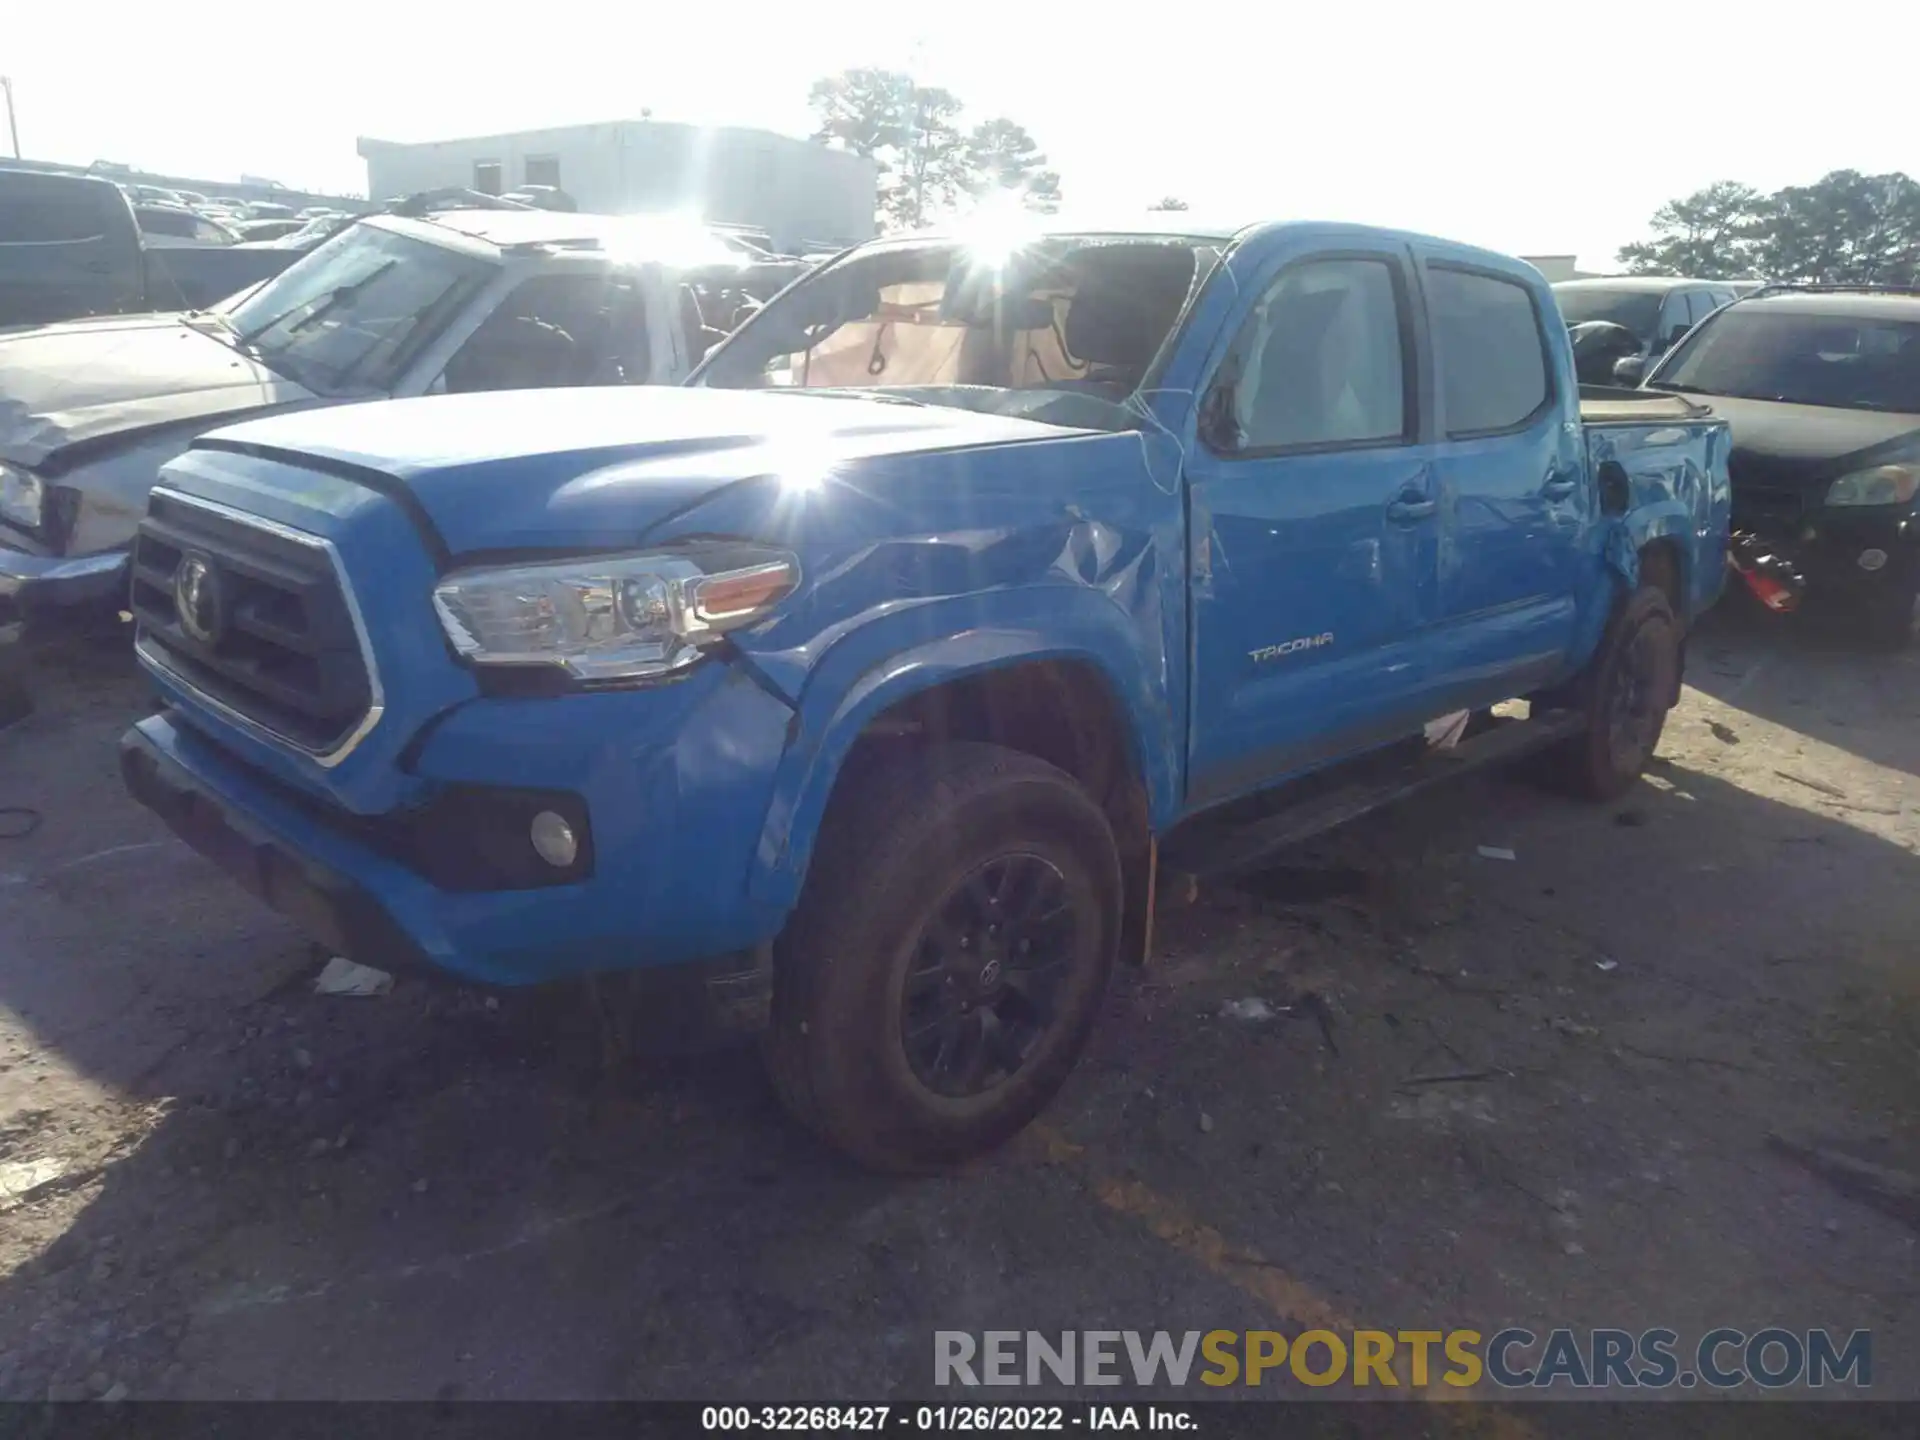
{"x":1533,"y":129}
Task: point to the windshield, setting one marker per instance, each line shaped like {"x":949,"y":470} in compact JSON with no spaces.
{"x":1634,"y":310}
{"x":346,"y":318}
{"x":1061,"y":330}
{"x":1849,"y":362}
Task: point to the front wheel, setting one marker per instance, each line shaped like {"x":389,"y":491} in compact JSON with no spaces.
{"x":948,"y":957}
{"x":1625,"y":695}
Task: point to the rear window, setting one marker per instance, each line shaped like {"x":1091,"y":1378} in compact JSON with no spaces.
{"x":39,"y":211}
{"x":155,"y":221}
{"x":1634,"y":310}
{"x":1493,"y":364}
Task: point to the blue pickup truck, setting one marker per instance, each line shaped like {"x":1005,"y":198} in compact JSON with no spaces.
{"x":859,"y":691}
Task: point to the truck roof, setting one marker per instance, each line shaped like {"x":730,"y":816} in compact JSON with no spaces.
{"x":1638,"y":284}
{"x":1187,"y":225}
{"x":630,"y":239}
{"x":1841,"y":302}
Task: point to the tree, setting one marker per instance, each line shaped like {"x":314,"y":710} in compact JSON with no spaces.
{"x":1168,"y":202}
{"x":1845,"y":228}
{"x":927,"y":162}
{"x":865,"y":109}
{"x":930,"y":169}
{"x":1713,"y":234}
{"x":1002,"y":158}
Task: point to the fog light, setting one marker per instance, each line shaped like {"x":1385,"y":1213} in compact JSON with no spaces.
{"x":1871,"y":559}
{"x":553,"y":840}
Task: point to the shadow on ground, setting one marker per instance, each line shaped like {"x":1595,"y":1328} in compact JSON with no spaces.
{"x":1542,"y":1094}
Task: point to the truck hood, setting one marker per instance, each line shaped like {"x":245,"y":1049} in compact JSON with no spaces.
{"x":1781,"y":446}
{"x":587,"y":469}
{"x":86,"y":381}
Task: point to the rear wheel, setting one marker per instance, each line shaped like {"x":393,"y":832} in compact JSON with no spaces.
{"x":948,"y":957}
{"x":1625,"y":695}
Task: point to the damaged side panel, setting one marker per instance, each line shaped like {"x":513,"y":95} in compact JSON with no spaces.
{"x":886,"y":612}
{"x":1664,"y":482}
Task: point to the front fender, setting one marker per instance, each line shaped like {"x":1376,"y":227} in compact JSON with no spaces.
{"x":905,"y":652}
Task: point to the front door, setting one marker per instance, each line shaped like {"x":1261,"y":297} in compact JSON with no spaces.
{"x":1313,"y":526}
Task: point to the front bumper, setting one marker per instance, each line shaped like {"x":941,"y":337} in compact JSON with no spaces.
{"x":1845,"y":554}
{"x":676,"y":1006}
{"x":33,"y":586}
{"x":638,"y":911}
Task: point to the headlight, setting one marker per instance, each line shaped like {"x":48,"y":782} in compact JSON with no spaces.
{"x":1882,"y":485}
{"x":613,"y":616}
{"x":22,"y":497}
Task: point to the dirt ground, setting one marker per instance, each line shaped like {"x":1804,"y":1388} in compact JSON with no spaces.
{"x":1601,"y":1083}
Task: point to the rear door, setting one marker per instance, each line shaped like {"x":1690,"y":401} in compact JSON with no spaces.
{"x":68,"y":247}
{"x":1312,"y":525}
{"x":1511,"y":483}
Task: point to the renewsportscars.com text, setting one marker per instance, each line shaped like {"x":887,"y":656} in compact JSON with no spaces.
{"x":1513,"y":1359}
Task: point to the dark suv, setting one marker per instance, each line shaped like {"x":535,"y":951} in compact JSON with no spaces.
{"x":1821,"y":386}
{"x":1654,"y":310}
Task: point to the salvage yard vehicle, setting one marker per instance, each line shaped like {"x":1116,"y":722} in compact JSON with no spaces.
{"x":70,"y":246}
{"x":1655,"y":310}
{"x":856,"y":693}
{"x":1821,"y":386}
{"x":476,"y":300}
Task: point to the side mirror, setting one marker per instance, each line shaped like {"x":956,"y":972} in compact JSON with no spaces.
{"x":1629,"y":371}
{"x":1215,"y":424}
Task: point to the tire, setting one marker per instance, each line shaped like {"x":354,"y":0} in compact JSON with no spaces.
{"x":1625,"y":695}
{"x":875,"y":978}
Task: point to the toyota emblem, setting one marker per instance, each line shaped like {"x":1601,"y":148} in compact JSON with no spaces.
{"x":197,"y":599}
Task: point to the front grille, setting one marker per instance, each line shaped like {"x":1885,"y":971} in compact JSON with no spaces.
{"x":279,"y":645}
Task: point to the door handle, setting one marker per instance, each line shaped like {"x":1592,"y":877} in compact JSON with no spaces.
{"x":1411,"y":506}
{"x":1559,"y":487}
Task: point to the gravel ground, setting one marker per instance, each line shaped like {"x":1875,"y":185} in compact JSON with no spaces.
{"x":1658,"y":1069}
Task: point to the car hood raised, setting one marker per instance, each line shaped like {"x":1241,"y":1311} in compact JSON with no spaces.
{"x":1778,"y":444}
{"x":93,"y":380}
{"x":557,"y":470}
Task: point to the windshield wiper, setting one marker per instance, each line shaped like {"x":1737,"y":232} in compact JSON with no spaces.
{"x":331,"y":302}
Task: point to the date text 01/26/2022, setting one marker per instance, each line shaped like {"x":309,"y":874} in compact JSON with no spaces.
{"x":977,"y":1418}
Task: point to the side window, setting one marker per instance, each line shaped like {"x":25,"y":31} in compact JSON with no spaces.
{"x":581,"y":329}
{"x":1675,"y":320}
{"x":206,"y":230}
{"x":1493,"y":361}
{"x":167,"y":222}
{"x":1320,"y":361}
{"x":1702,"y":304}
{"x":41,"y":214}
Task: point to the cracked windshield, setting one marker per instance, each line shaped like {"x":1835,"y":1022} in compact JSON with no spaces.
{"x":991,"y":720}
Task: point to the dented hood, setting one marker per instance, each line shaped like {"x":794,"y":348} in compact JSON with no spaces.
{"x":117,"y":377}
{"x":592,"y":468}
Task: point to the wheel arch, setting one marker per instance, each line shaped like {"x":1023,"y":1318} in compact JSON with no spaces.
{"x":1076,"y":706}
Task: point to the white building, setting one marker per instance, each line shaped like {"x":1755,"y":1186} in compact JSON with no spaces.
{"x":803,"y":195}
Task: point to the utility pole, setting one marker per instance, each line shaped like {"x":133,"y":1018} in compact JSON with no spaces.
{"x":13,"y":125}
